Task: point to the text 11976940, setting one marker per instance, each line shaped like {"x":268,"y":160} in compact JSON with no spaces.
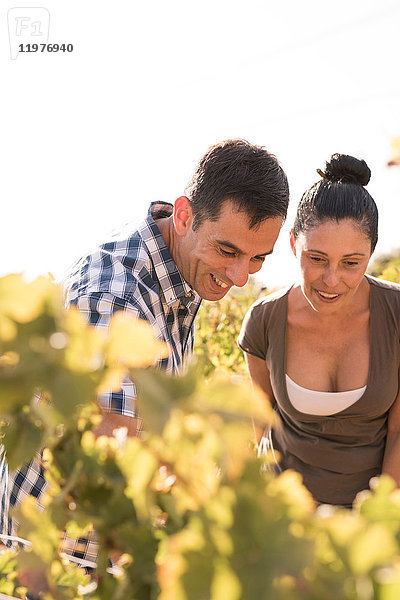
{"x":45,"y":47}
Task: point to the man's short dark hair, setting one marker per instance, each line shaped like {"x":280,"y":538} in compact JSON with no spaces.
{"x":246,"y":174}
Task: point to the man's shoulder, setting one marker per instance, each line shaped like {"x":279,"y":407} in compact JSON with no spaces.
{"x":116,"y":266}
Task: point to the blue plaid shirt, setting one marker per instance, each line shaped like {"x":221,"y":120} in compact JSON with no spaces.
{"x":135,"y":273}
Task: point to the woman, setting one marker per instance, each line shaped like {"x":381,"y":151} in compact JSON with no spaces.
{"x":326,"y":351}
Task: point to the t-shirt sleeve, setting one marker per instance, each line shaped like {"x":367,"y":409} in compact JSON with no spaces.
{"x":252,"y":338}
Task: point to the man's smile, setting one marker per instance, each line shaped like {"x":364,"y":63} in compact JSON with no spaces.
{"x":220,"y":283}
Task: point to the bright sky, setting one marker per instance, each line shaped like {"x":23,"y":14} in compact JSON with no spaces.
{"x":90,"y":137}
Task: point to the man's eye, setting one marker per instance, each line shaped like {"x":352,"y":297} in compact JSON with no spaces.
{"x":258,"y":258}
{"x":226,"y":253}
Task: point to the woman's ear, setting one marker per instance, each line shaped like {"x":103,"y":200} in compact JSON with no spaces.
{"x":183,"y":215}
{"x":292,"y":242}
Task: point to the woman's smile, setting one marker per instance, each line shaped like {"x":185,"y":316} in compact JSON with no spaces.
{"x":328,"y":297}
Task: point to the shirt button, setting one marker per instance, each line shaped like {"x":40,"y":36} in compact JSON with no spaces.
{"x":188,"y":294}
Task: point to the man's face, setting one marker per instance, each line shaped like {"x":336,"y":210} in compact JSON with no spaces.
{"x":223,"y":253}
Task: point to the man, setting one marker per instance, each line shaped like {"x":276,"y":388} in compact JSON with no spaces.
{"x":211,"y":239}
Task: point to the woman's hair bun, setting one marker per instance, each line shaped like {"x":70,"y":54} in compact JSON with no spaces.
{"x":346,"y":169}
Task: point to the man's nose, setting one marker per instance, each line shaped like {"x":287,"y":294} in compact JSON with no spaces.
{"x":238,"y":273}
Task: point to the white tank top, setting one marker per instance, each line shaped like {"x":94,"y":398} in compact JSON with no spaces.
{"x":320,"y":403}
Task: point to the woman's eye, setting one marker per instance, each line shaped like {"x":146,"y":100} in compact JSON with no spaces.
{"x":316,"y":259}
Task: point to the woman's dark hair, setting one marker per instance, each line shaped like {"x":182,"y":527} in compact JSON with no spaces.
{"x":248,"y":175}
{"x":340,"y":194}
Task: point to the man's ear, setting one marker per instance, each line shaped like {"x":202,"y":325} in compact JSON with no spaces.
{"x":292,"y":242}
{"x":183,"y":215}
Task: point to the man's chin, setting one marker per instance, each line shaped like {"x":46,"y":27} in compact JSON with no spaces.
{"x":213,"y":295}
{"x":209,"y":290}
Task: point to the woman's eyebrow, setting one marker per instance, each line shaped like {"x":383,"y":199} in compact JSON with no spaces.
{"x":344,"y":255}
{"x":316,"y":251}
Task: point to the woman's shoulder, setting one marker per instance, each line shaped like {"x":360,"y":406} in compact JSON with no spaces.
{"x":261,"y":310}
{"x":277,"y":297}
{"x":269,"y":308}
{"x":385,"y":300}
{"x":384,"y":287}
{"x":266,"y":315}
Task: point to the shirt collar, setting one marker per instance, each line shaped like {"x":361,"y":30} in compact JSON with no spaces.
{"x":172,"y":284}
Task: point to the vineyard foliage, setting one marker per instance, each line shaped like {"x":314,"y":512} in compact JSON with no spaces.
{"x":188,"y":512}
{"x":387,"y":266}
{"x":218,"y":326}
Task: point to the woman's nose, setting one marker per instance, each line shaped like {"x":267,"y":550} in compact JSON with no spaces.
{"x":330,"y":276}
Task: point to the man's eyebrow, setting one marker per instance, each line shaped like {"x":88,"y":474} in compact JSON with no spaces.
{"x":344,"y":255}
{"x":238,"y":250}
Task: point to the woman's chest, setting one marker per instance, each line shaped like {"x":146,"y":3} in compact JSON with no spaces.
{"x":329,"y":359}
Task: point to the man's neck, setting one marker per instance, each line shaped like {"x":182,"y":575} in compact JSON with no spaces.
{"x":167,"y":230}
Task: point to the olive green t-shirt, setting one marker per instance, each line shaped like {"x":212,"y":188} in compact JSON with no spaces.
{"x":336,"y":454}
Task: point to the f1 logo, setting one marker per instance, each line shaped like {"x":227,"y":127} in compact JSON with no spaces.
{"x":27,"y":25}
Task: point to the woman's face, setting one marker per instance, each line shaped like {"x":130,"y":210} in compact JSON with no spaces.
{"x":333,"y":258}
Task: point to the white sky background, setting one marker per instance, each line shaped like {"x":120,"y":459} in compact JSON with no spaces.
{"x":89,"y":138}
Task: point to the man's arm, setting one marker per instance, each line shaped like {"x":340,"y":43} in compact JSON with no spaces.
{"x":113,"y":421}
{"x":119,"y":409}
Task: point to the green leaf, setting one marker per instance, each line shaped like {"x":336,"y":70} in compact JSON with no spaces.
{"x":7,"y":562}
{"x":22,"y":440}
{"x":70,"y":390}
{"x":371,"y":548}
{"x":225,"y":584}
{"x":24,"y":301}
